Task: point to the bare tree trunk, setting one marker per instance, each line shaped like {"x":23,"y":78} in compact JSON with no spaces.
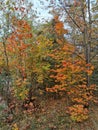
{"x":88,"y":40}
{"x":7,"y":73}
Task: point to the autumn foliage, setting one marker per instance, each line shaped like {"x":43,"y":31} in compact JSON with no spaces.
{"x":34,"y":63}
{"x":69,"y":74}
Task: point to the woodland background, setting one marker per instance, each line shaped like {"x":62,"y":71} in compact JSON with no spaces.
{"x":49,"y":67}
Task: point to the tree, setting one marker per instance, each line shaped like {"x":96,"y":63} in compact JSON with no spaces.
{"x":67,"y":69}
{"x":8,"y":10}
{"x":80,"y":20}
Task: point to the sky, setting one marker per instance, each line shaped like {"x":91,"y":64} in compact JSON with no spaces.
{"x":41,"y":6}
{"x":42,"y":9}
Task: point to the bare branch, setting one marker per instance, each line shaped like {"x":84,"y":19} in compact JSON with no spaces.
{"x":70,"y":16}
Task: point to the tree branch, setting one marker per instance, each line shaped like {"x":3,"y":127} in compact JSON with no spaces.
{"x":70,"y":16}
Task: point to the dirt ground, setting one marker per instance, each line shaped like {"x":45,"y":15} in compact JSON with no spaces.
{"x":53,"y":117}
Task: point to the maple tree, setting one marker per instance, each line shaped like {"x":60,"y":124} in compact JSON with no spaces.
{"x":8,"y":11}
{"x":68,"y":68}
{"x":82,"y":31}
{"x":27,"y":59}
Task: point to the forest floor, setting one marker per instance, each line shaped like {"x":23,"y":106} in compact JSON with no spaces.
{"x":52,"y":116}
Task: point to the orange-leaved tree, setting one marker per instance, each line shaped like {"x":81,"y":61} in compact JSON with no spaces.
{"x":28,"y":58}
{"x":69,"y":73}
{"x":18,"y":45}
